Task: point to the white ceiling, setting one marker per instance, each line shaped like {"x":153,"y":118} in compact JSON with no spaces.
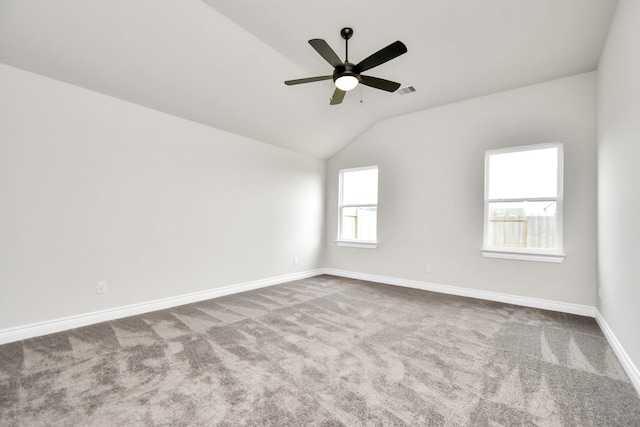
{"x":222,"y":63}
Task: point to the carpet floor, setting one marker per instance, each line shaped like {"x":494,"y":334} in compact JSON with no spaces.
{"x":324,"y":351}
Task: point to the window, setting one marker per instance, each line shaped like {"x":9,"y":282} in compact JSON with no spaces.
{"x":358,"y":207}
{"x":523,"y":203}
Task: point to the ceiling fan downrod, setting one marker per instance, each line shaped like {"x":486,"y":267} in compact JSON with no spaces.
{"x":346,"y":34}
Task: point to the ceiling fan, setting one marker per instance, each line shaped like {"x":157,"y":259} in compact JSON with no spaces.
{"x":347,"y":75}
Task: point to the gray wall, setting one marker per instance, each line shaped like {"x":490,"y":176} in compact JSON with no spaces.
{"x":431,"y":172}
{"x":93,"y":189}
{"x":619,"y":178}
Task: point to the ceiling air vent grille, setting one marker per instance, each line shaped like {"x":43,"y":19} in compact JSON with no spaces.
{"x":406,"y":90}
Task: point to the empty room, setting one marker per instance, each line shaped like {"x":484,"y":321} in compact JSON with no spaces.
{"x":329,"y":213}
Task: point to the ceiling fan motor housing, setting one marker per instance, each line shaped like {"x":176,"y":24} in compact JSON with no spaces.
{"x":346,"y":69}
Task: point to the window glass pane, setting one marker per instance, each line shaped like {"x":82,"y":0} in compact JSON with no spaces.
{"x":360,"y":187}
{"x":359,"y":223}
{"x":524,"y":174}
{"x":523,"y":225}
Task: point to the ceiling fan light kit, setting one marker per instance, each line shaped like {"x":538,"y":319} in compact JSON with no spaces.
{"x":346,"y":75}
{"x":346,"y":82}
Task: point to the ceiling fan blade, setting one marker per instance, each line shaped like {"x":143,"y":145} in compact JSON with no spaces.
{"x":385,"y":54}
{"x":307,"y":80}
{"x":378,"y":83}
{"x":326,"y":52}
{"x":338,"y":96}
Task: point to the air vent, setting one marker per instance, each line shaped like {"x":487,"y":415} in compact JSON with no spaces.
{"x":406,"y":90}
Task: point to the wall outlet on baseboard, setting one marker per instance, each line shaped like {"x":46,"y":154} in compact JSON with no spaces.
{"x":428,"y":268}
{"x":101,"y":288}
{"x":295,"y":260}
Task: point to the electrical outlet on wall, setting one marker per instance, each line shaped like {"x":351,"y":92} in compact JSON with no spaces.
{"x":295,"y":260}
{"x":428,"y":268}
{"x":101,"y":288}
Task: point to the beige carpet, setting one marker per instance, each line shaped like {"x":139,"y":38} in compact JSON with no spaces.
{"x":324,"y":351}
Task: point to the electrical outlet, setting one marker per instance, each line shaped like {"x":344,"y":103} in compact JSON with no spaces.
{"x":599,"y":292}
{"x":428,"y":268}
{"x":101,"y":288}
{"x":295,"y":260}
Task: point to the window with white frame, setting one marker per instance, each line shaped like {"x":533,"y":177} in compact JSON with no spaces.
{"x":523,"y":203}
{"x":358,"y":207}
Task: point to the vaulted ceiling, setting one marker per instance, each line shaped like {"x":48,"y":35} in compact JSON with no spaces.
{"x":222,"y":63}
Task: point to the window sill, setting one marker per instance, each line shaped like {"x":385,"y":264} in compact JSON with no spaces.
{"x":357,"y":244}
{"x":523,"y":256}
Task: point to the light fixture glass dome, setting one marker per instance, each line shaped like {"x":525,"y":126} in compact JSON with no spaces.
{"x":346,"y":83}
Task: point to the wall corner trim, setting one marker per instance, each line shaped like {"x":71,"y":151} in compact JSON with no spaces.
{"x":630,"y":368}
{"x":62,"y":324}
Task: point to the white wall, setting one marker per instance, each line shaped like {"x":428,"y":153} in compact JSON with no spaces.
{"x":431,"y":172}
{"x":619,"y":178}
{"x":93,"y":189}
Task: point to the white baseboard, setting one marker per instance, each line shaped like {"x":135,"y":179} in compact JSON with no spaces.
{"x":629,"y":367}
{"x":582,"y":310}
{"x":58,"y":325}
